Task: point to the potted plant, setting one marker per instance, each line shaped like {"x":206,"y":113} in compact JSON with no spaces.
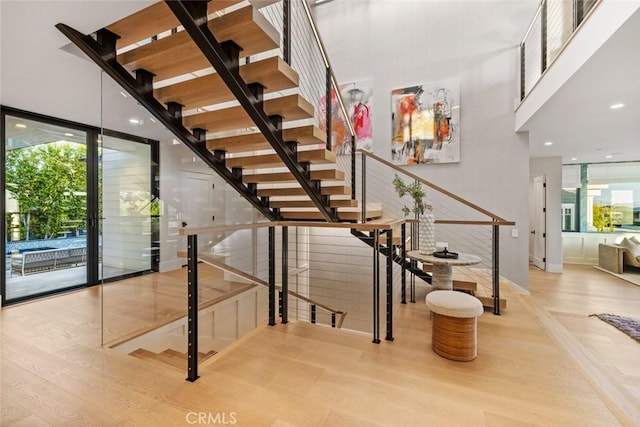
{"x":416,"y":192}
{"x":421,"y":210}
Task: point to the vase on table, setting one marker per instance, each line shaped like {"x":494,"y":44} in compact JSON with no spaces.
{"x":427,"y":233}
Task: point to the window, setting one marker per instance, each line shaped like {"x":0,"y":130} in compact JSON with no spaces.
{"x":611,"y":201}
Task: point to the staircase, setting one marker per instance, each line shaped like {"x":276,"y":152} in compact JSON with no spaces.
{"x":223,"y":89}
{"x":215,"y":75}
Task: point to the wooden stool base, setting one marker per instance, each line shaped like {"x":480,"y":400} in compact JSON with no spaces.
{"x":454,"y":338}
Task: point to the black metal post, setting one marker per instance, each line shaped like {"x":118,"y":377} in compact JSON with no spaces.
{"x":192,"y":307}
{"x":389,"y":336}
{"x":313,"y":313}
{"x":414,"y":263}
{"x":333,"y":320}
{"x":522,"y":71}
{"x":285,"y":275}
{"x":376,"y":286}
{"x":543,"y":37}
{"x":403,"y":248}
{"x":272,"y":276}
{"x":329,"y":107}
{"x":286,"y":31}
{"x":363,"y":189}
{"x":353,"y":167}
{"x":496,"y":269}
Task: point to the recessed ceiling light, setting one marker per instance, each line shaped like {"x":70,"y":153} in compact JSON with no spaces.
{"x":68,"y":134}
{"x":134,"y":121}
{"x":608,"y":157}
{"x":616,"y":106}
{"x":574,"y":158}
{"x":21,"y":125}
{"x":548,"y":143}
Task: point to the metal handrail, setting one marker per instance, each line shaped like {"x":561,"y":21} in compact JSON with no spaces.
{"x":327,"y":64}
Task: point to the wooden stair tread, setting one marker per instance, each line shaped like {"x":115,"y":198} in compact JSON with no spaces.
{"x":319,"y":156}
{"x":153,"y":20}
{"x":463,"y":285}
{"x":332,"y":190}
{"x":316,"y":175}
{"x":177,"y":54}
{"x":303,"y":135}
{"x":314,"y":215}
{"x":292,"y":107}
{"x":487,"y":301}
{"x":334,"y":203}
{"x":397,"y":239}
{"x":272,"y":73}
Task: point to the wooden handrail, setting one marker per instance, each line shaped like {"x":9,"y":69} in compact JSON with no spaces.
{"x":435,"y":187}
{"x":470,"y":222}
{"x":225,"y":267}
{"x":377,"y":224}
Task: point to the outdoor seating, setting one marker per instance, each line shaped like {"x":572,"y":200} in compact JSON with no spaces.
{"x":48,"y":259}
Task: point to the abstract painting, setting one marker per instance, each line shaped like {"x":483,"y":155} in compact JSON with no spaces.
{"x":358,"y":100}
{"x":425,"y":123}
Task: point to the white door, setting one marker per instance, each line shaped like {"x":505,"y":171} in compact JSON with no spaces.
{"x":538,"y":233}
{"x":198,"y":209}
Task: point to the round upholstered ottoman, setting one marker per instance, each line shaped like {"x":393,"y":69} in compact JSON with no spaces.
{"x":455,"y":317}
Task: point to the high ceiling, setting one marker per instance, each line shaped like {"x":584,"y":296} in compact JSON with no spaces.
{"x":578,"y":118}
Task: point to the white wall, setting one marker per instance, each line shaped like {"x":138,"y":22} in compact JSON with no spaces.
{"x":551,"y":169}
{"x":404,"y":43}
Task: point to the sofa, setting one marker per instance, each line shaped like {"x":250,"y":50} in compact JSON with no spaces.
{"x":614,"y":257}
{"x":33,"y":261}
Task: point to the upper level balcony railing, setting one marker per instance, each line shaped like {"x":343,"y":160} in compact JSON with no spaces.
{"x":552,"y":28}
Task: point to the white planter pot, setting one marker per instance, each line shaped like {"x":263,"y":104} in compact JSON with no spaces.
{"x":427,"y":233}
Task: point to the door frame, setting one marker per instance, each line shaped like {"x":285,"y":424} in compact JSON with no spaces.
{"x":92,"y":205}
{"x":539,"y":229}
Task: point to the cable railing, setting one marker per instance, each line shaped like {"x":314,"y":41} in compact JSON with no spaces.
{"x":303,"y":49}
{"x":550,"y":31}
{"x":305,"y":271}
{"x":463,"y":225}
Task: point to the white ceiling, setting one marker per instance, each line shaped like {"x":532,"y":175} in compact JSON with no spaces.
{"x":35,"y":72}
{"x":577,"y":118}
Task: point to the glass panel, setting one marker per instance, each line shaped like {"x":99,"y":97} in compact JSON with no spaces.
{"x":46,"y":207}
{"x":127,"y":205}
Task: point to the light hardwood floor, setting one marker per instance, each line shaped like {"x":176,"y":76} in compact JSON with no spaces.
{"x":55,"y":372}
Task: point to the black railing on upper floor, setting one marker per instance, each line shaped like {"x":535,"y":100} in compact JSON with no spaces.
{"x":552,"y":28}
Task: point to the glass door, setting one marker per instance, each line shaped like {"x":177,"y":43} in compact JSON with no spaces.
{"x":129,"y":207}
{"x":45,"y":206}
